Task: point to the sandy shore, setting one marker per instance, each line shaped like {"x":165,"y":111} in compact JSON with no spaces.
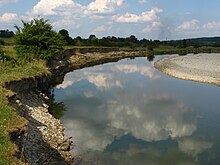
{"x":200,"y":67}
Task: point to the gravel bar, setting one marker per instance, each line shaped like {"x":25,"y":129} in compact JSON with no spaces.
{"x":196,"y":67}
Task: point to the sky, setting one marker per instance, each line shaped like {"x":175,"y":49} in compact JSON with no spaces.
{"x":150,"y":19}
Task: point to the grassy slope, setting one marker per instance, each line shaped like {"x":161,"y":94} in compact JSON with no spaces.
{"x":10,"y":72}
{"x":7,"y":121}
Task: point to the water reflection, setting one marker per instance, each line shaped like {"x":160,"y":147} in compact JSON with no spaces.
{"x":128,"y":113}
{"x":142,"y":117}
{"x":110,"y":75}
{"x":193,"y":146}
{"x":57,"y":109}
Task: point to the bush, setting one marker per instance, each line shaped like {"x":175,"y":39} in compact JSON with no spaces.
{"x":37,"y":40}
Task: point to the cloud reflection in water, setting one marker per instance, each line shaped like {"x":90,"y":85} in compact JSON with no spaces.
{"x":120,"y":106}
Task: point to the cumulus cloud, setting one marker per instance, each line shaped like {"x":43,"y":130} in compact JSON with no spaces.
{"x":105,"y":6}
{"x":188,"y":25}
{"x":49,"y":7}
{"x":9,"y":17}
{"x":148,"y":16}
{"x":211,"y":25}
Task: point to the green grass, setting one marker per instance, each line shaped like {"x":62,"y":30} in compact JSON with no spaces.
{"x":8,"y":41}
{"x":176,"y":50}
{"x":8,"y":120}
{"x":8,"y":117}
{"x":10,"y":72}
{"x":9,"y":50}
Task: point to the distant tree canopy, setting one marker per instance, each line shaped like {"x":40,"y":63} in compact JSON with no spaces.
{"x":66,"y":36}
{"x":6,"y":33}
{"x":37,"y":40}
{"x":112,"y":41}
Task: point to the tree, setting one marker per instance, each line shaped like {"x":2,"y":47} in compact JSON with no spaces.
{"x":6,"y":33}
{"x":66,"y":36}
{"x":93,"y":40}
{"x":36,"y":39}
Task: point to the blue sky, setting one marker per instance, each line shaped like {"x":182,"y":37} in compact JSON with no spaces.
{"x":151,"y":19}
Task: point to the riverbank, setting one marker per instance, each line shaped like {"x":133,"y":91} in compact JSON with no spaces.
{"x":198,"y":67}
{"x":44,"y":141}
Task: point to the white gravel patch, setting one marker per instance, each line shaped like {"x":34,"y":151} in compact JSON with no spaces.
{"x":199,"y":67}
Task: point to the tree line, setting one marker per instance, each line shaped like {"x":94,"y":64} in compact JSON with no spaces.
{"x":109,"y":41}
{"x":36,"y":39}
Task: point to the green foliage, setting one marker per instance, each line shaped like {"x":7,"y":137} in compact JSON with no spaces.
{"x":66,"y":36}
{"x":2,"y":42}
{"x":57,"y":109}
{"x":37,"y":40}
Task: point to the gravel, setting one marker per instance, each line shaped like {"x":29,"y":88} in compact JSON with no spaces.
{"x":200,"y":67}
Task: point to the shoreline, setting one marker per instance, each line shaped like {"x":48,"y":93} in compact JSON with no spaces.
{"x":203,"y":68}
{"x":44,"y":141}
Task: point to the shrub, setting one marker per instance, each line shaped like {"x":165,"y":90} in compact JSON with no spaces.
{"x":37,"y":40}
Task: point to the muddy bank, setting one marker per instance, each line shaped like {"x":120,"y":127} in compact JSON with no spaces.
{"x":45,"y":142}
{"x":201,"y":67}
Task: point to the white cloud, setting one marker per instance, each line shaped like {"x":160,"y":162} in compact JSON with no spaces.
{"x":142,"y":1}
{"x":49,"y":7}
{"x":105,"y":6}
{"x":128,"y":17}
{"x":66,"y":23}
{"x":101,"y":29}
{"x":212,"y":25}
{"x":188,"y":25}
{"x":9,"y":17}
{"x":148,"y":16}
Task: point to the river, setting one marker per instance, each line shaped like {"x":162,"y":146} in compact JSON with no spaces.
{"x":129,"y":113}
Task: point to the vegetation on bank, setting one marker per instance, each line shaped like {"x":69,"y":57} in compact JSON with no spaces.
{"x":18,"y":61}
{"x":8,"y":120}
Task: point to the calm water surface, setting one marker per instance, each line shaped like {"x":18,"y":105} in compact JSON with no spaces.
{"x":129,"y":113}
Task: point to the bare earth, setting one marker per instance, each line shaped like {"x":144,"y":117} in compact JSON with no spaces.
{"x":200,"y":67}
